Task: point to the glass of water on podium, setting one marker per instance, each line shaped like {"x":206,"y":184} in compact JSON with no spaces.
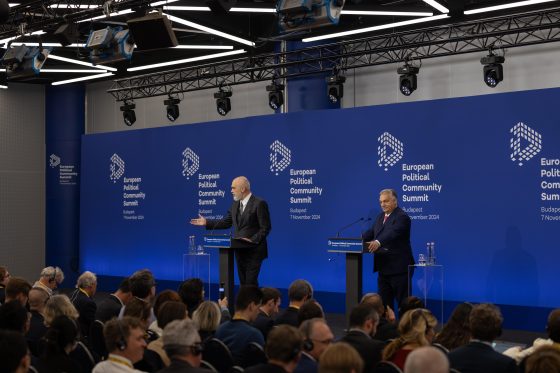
{"x":196,"y":264}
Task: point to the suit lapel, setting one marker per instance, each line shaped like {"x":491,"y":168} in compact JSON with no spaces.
{"x":247,"y":209}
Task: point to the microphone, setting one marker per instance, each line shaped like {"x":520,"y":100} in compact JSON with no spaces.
{"x":348,"y":226}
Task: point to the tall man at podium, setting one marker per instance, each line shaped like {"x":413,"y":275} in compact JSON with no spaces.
{"x":250,"y":219}
{"x":389,"y":240}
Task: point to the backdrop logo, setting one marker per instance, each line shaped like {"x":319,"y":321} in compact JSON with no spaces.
{"x":525,"y":143}
{"x":190,"y":163}
{"x":117,"y":168}
{"x":54,"y":160}
{"x":280,"y":157}
{"x":390,"y":150}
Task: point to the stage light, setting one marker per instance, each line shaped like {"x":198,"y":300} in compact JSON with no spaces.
{"x":275,"y":95}
{"x":407,"y":78}
{"x":172,"y":108}
{"x":129,"y":116}
{"x":223,"y":103}
{"x":493,"y":72}
{"x":110,"y":44}
{"x":335,"y":87}
{"x":23,"y":61}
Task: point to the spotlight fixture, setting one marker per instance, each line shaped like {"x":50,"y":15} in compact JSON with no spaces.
{"x":275,"y":95}
{"x":172,"y":108}
{"x":110,"y":44}
{"x":22,"y":61}
{"x":223,"y":103}
{"x":335,"y":87}
{"x":407,"y":78}
{"x":129,"y":116}
{"x":493,"y":71}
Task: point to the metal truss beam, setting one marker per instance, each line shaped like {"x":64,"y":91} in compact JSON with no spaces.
{"x":477,"y":36}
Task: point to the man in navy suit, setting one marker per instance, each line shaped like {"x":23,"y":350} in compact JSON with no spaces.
{"x":250,"y":219}
{"x":389,"y":240}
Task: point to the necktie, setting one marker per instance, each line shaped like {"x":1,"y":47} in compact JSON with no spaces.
{"x":385,"y":218}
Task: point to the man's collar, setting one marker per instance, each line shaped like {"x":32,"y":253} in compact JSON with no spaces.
{"x":309,"y":356}
{"x":246,"y":199}
{"x":119,"y":299}
{"x":121,"y":360}
{"x":359,"y":331}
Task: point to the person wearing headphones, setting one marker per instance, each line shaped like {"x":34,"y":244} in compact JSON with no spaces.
{"x":182,"y":344}
{"x":283,"y":348}
{"x":125,"y":342}
{"x":49,"y":279}
{"x":317,"y":337}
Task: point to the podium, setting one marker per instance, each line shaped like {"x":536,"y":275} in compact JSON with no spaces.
{"x":222,"y":242}
{"x":427,"y":284}
{"x":353,"y":248}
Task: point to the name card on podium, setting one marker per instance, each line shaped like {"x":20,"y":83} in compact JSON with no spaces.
{"x":217,"y":240}
{"x":346,"y":245}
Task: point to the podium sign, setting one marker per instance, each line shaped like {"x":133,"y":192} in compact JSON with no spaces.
{"x":346,"y":245}
{"x":217,"y":240}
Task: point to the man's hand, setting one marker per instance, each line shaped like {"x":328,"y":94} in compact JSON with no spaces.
{"x":374,"y":246}
{"x":201,"y":220}
{"x":223,"y":303}
{"x":390,"y":315}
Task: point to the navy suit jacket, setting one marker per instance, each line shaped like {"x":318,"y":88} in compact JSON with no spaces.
{"x":254,"y":224}
{"x":477,"y":357}
{"x":395,"y":254}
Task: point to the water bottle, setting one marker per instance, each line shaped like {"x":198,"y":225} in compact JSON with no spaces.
{"x":431,"y":253}
{"x":192,"y":245}
{"x":200,"y":250}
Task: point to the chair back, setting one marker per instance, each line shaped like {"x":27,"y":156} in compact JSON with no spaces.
{"x":97,"y":340}
{"x":207,"y":365}
{"x":217,"y":354}
{"x":387,"y":367}
{"x":253,"y":355}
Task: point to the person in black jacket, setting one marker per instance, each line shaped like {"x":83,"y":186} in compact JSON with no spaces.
{"x":181,"y":343}
{"x":283,"y":349}
{"x":362,"y":326}
{"x":82,"y":299}
{"x":249,"y":217}
{"x":111,"y":306}
{"x":61,"y":338}
{"x":478,"y":356}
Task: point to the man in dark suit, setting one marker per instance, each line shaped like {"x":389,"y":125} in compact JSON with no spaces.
{"x":389,"y":240}
{"x":111,"y":306}
{"x":362,"y":326}
{"x":181,"y":343}
{"x":82,"y":299}
{"x":251,"y":221}
{"x":478,"y":356}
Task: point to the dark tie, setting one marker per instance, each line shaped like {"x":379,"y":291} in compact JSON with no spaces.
{"x":385,"y":218}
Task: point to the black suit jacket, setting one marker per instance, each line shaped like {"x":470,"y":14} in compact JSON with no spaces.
{"x":395,"y":254}
{"x":108,"y":308}
{"x":264,"y":323}
{"x":477,"y":357}
{"x":288,"y":317}
{"x":179,"y":366}
{"x":254,"y":224}
{"x":368,"y":348}
{"x":86,"y":308}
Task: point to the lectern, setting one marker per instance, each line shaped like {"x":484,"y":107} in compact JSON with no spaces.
{"x":222,"y":242}
{"x":353,"y":248}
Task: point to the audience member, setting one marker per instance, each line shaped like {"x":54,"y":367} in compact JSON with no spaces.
{"x":410,"y":303}
{"x":485,"y":323}
{"x":13,"y":352}
{"x":14,"y":316}
{"x":317,"y":337}
{"x":161,"y":298}
{"x":207,"y":317}
{"x":456,"y":332}
{"x":362,"y":326}
{"x":125,"y":342}
{"x":283,"y":349}
{"x":82,"y":299}
{"x":17,"y":289}
{"x":426,"y":360}
{"x":142,"y":311}
{"x":4,"y":277}
{"x":59,"y":305}
{"x":387,"y":327}
{"x":191,"y":292}
{"x":111,"y":306}
{"x":37,"y":328}
{"x":167,"y":312}
{"x":143,"y":287}
{"x":416,"y":329}
{"x":61,"y":339}
{"x":311,"y":309}
{"x":267,"y":311}
{"x":49,"y":279}
{"x":298,"y":292}
{"x":238,"y":332}
{"x":341,"y":358}
{"x":181,"y":343}
{"x":545,"y":359}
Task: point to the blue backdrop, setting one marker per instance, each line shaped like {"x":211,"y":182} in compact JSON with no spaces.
{"x":472,"y":173}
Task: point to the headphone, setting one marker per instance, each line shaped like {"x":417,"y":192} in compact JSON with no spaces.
{"x":53,"y":277}
{"x":306,"y":330}
{"x":196,"y":349}
{"x":121,"y":342}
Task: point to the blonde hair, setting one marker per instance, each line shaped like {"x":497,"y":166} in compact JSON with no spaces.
{"x":340,"y":358}
{"x":413,"y":327}
{"x":59,"y":305}
{"x":207,"y":316}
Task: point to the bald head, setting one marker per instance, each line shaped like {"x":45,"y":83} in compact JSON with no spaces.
{"x":240,"y":188}
{"x":426,"y":360}
{"x":37,"y":299}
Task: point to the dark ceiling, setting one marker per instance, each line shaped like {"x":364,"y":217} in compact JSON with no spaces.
{"x":260,"y":28}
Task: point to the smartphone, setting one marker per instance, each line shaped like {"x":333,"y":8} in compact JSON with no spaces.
{"x":222,"y":291}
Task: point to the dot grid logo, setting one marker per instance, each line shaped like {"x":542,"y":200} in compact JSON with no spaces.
{"x":531,"y":140}
{"x":190,"y":163}
{"x":116,"y":167}
{"x":280,"y":157}
{"x":390,"y":150}
{"x":54,"y":161}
